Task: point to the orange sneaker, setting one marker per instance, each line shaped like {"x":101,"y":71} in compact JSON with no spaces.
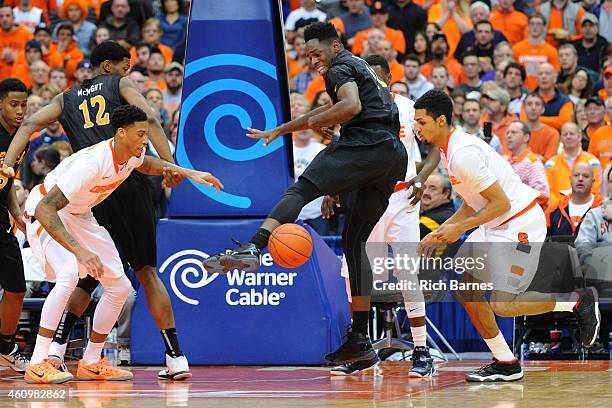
{"x":46,"y":373}
{"x":102,"y":370}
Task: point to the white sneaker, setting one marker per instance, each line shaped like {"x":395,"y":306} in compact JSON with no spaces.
{"x":177,"y":368}
{"x":15,"y":361}
{"x":125,"y":357}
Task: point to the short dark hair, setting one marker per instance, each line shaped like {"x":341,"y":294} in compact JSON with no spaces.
{"x":413,"y":57}
{"x":11,"y":85}
{"x":437,"y":103}
{"x":487,"y":22}
{"x":472,"y":100}
{"x":469,"y":53}
{"x":58,"y":69}
{"x":378,"y":61}
{"x":538,"y":15}
{"x":126,"y":115}
{"x":321,"y":31}
{"x":142,"y":45}
{"x":49,"y":155}
{"x":108,"y":51}
{"x":457,"y":93}
{"x":516,"y":65}
{"x":534,"y":95}
{"x":401,"y":83}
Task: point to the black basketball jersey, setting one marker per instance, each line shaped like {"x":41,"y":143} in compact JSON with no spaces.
{"x":6,"y":183}
{"x":379,"y":117}
{"x":87,"y":109}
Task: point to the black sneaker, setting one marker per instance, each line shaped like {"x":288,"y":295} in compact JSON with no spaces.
{"x":497,"y":371}
{"x":422,"y":363}
{"x":357,"y":367}
{"x":356,"y":347}
{"x":588,"y":315}
{"x":245,"y":257}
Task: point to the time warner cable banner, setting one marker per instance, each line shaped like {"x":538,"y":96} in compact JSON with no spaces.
{"x":235,"y":78}
{"x":273,"y":316}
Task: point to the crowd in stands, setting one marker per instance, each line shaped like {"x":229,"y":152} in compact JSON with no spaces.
{"x":538,"y":74}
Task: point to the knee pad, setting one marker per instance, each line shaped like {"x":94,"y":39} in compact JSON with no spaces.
{"x":88,"y":284}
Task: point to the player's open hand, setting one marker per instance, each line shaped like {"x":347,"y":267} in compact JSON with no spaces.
{"x":268,"y":135}
{"x":415,"y":195}
{"x":91,"y":262}
{"x":447,"y":233}
{"x":171,"y":178}
{"x":207,"y":179}
{"x":7,"y":171}
{"x":327,"y":206}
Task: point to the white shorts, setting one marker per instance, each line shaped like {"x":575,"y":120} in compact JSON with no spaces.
{"x":511,"y":251}
{"x":85,"y":229}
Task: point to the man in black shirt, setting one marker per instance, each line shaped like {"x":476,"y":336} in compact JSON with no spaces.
{"x":408,"y":17}
{"x":84,"y":112}
{"x":13,"y":102}
{"x":366,"y":162}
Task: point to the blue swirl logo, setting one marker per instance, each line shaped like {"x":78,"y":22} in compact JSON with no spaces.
{"x":211,"y":138}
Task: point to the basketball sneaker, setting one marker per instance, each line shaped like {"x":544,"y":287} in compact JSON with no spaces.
{"x":45,"y":373}
{"x":245,"y":257}
{"x":422,"y":363}
{"x":588,"y":315}
{"x":14,"y":360}
{"x":356,"y":367}
{"x":102,"y":370}
{"x":177,"y":368}
{"x":58,"y":363}
{"x":497,"y":371}
{"x":356,"y":347}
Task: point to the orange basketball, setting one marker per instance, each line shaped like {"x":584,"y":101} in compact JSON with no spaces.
{"x":290,"y":245}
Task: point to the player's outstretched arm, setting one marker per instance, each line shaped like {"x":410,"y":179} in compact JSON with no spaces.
{"x":294,"y":125}
{"x":13,"y":208}
{"x":46,"y":214}
{"x":34,"y":123}
{"x":348,"y":106}
{"x":130,"y":93}
{"x":156,"y":167}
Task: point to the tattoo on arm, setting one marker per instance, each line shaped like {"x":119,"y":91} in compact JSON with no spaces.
{"x":46,"y":214}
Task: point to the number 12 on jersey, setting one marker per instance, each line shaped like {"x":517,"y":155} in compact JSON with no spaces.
{"x":102,"y":117}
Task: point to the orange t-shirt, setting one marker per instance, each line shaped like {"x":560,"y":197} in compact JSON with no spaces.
{"x":71,"y":58}
{"x":453,"y":34}
{"x":455,"y":71}
{"x":556,"y":21}
{"x":314,"y":87}
{"x":52,"y":58}
{"x":397,"y":71}
{"x":601,"y":145}
{"x":165,"y":51}
{"x":544,"y":142}
{"x":512,"y":24}
{"x":395,"y":37}
{"x":422,"y":2}
{"x":294,"y":68}
{"x":532,"y":56}
{"x":603,"y":95}
{"x":15,"y":41}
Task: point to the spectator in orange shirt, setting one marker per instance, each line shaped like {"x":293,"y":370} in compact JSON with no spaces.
{"x":596,"y":116}
{"x":52,"y":58}
{"x":544,"y":140}
{"x":495,"y":104}
{"x":511,"y":22}
{"x":558,"y":108}
{"x":606,"y":91}
{"x":39,"y":74}
{"x":386,"y":50}
{"x":151,"y":35}
{"x":379,"y":16}
{"x":12,"y":40}
{"x":440,"y":56}
{"x":155,"y":69}
{"x":563,"y":18}
{"x":58,"y":77}
{"x":67,"y":48}
{"x":21,"y":71}
{"x":535,"y":51}
{"x":454,"y":18}
{"x":513,"y":78}
{"x":601,"y":145}
{"x":297,"y":60}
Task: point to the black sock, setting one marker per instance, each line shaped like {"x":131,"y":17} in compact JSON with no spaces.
{"x":360,"y":322}
{"x":171,"y":342}
{"x":65,"y":327}
{"x":7,"y":343}
{"x":260,"y":239}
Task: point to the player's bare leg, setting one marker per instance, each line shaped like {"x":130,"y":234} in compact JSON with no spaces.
{"x":10,"y":311}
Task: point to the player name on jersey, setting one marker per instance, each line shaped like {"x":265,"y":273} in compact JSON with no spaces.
{"x":88,"y":91}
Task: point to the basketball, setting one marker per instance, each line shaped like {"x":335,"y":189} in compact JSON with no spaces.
{"x":290,"y":245}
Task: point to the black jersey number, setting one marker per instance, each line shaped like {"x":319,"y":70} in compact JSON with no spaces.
{"x":102,"y":117}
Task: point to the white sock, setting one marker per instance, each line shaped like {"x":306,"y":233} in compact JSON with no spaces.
{"x":57,"y":349}
{"x":41,"y":349}
{"x":92,"y":352}
{"x":419,"y":335}
{"x":565,"y":302}
{"x":500,"y":349}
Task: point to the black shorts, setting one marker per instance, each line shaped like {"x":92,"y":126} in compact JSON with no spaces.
{"x":12,"y":278}
{"x":129,"y":216}
{"x":368,"y":173}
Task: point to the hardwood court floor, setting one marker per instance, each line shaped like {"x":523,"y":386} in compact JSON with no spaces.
{"x":546,"y":384}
